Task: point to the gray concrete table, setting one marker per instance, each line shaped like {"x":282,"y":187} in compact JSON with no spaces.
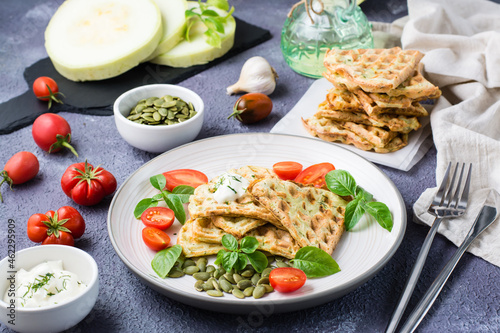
{"x":470,"y":301}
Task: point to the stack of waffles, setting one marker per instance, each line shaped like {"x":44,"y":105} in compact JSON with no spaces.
{"x":374,"y":102}
{"x":283,"y":216}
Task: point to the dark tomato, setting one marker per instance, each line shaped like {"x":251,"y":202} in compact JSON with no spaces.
{"x":315,"y":174}
{"x":252,"y":107}
{"x":189,"y":177}
{"x":158,"y":217}
{"x":287,"y":279}
{"x":155,"y":239}
{"x":287,"y":170}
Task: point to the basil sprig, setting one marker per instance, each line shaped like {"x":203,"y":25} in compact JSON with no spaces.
{"x":212,"y":20}
{"x":165,"y":259}
{"x":315,"y":262}
{"x":174,"y":200}
{"x":342,"y":183}
{"x":237,"y":256}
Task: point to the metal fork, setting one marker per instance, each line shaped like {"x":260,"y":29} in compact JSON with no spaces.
{"x":449,"y":201}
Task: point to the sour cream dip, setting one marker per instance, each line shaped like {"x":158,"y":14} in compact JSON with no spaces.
{"x":45,"y":284}
{"x":230,"y":187}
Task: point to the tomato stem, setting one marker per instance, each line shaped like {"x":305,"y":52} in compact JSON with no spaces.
{"x":63,"y":141}
{"x":7,"y":179}
{"x":236,"y":113}
{"x":52,"y":97}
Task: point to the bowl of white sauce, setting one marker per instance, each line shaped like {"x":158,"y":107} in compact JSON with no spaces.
{"x":48,"y":288}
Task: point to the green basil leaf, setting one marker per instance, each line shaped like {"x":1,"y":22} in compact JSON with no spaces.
{"x":190,"y":13}
{"x":175,"y":203}
{"x":361,"y":192}
{"x":241,"y":262}
{"x":209,"y":12}
{"x":183,"y":189}
{"x":230,"y":242}
{"x":341,"y":183}
{"x":159,"y":181}
{"x":159,"y":196}
{"x":143,"y":205}
{"x":258,"y":260}
{"x":353,"y":213}
{"x":315,"y":262}
{"x":213,"y":38}
{"x":165,"y":259}
{"x":214,"y":23}
{"x":228,"y":260}
{"x":381,"y":213}
{"x":220,"y":254}
{"x":221,"y":4}
{"x":249,"y":244}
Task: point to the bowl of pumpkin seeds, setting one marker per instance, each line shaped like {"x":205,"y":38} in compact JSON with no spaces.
{"x":158,"y":117}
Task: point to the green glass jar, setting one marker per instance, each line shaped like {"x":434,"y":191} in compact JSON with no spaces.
{"x":311,"y":30}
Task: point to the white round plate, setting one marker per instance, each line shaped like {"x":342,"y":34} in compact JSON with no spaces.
{"x":360,"y":254}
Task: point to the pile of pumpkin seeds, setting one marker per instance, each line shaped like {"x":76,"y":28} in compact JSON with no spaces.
{"x":215,"y":281}
{"x":166,"y":110}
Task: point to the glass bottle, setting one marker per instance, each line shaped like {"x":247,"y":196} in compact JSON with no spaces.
{"x":311,"y":30}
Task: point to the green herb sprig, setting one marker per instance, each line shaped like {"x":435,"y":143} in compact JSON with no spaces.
{"x":238,"y":255}
{"x":174,"y":200}
{"x":315,"y":262}
{"x":342,"y":183}
{"x":212,"y":20}
{"x":165,"y":259}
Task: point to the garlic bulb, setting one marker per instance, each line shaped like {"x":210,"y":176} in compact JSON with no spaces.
{"x":257,"y":76}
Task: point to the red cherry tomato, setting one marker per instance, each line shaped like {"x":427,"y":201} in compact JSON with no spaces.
{"x":60,"y":227}
{"x":287,"y":279}
{"x":20,"y":168}
{"x":189,"y":177}
{"x":315,"y":174}
{"x":252,"y":107}
{"x":287,"y":170}
{"x":155,"y":239}
{"x":158,"y":217}
{"x":87,"y":185}
{"x":51,"y":132}
{"x":46,"y":89}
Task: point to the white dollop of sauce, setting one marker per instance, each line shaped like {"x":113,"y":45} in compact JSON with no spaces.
{"x":230,"y":187}
{"x":45,"y":284}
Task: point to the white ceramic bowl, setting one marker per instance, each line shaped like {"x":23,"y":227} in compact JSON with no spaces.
{"x":52,"y":318}
{"x":157,"y":139}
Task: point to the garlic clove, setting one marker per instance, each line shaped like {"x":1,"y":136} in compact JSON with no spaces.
{"x":257,"y":76}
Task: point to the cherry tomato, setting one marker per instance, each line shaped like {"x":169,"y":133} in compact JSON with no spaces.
{"x":158,"y":217}
{"x":51,"y":132}
{"x":287,"y":279}
{"x":155,"y":239}
{"x":87,"y":185}
{"x":60,"y":227}
{"x":252,"y":107}
{"x":46,"y":89}
{"x":20,"y":168}
{"x":287,"y":170}
{"x":189,"y":177}
{"x":315,"y":174}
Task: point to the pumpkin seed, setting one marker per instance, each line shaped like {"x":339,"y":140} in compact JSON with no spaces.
{"x":237,"y":278}
{"x":259,"y":291}
{"x":188,"y":262}
{"x":215,"y":293}
{"x":134,"y":116}
{"x":175,"y":272}
{"x":247,"y":273}
{"x":244,"y":284}
{"x":190,"y":270}
{"x":210,"y":269}
{"x":282,"y":264}
{"x":229,"y":277}
{"x":266,"y":271}
{"x":207,"y":286}
{"x":214,"y":283}
{"x":218,"y":273}
{"x":158,"y":111}
{"x":199,"y":285}
{"x":238,"y":293}
{"x":204,"y":276}
{"x":268,"y":287}
{"x":255,"y":278}
{"x":225,"y":285}
{"x":264,"y":280}
{"x":248,"y":291}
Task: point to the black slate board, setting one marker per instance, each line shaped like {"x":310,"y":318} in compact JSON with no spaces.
{"x":97,"y":97}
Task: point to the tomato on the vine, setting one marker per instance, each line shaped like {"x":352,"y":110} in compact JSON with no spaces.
{"x":193,"y":178}
{"x":252,"y":107}
{"x":46,"y":89}
{"x":60,"y":227}
{"x":20,"y":168}
{"x":287,"y":279}
{"x":87,"y":185}
{"x":287,"y":170}
{"x":155,"y":238}
{"x":315,"y":174}
{"x":158,"y":217}
{"x":51,"y":132}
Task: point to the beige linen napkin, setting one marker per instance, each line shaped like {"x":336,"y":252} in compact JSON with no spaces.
{"x":461,"y":42}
